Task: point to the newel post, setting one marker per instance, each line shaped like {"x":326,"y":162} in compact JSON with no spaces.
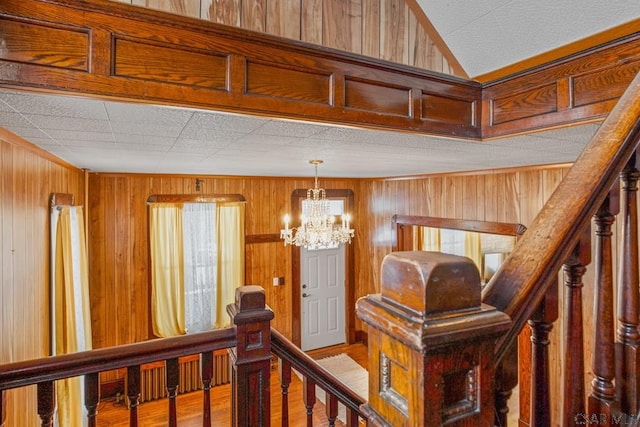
{"x":431,"y":342}
{"x":251,"y":359}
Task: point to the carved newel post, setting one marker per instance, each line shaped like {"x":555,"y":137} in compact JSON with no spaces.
{"x":431,"y":343}
{"x":251,"y":367}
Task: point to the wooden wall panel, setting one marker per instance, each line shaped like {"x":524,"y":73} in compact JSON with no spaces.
{"x":27,"y":178}
{"x":119,"y":221}
{"x":382,"y":29}
{"x":581,"y":87}
{"x":202,"y":65}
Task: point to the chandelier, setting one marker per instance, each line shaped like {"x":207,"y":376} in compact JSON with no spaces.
{"x":318,"y":228}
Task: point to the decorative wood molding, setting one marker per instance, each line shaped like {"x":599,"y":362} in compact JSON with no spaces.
{"x":61,"y":199}
{"x":195,"y":198}
{"x":576,"y":89}
{"x":113,"y":50}
{"x":262,"y":238}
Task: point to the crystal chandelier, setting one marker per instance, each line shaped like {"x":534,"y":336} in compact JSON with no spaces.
{"x":318,"y":228}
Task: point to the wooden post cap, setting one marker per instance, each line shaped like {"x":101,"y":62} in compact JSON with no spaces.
{"x":430,"y":282}
{"x":250,"y":297}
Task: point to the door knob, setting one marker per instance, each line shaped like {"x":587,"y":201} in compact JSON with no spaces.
{"x":304,"y":286}
{"x":305,"y":295}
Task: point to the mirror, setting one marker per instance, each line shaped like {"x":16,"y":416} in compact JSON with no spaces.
{"x":487,"y":243}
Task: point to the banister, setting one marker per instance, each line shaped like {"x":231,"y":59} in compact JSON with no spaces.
{"x":300,"y":361}
{"x":20,"y":374}
{"x":519,"y":285}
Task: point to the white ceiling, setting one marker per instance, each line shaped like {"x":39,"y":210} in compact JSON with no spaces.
{"x":122,"y":137}
{"x":484,"y":35}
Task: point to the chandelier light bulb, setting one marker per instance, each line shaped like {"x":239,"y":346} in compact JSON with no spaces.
{"x":318,"y":228}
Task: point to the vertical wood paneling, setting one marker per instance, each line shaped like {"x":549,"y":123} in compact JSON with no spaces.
{"x":341,"y":29}
{"x":371,"y":28}
{"x":281,"y":18}
{"x":180,"y":7}
{"x":311,"y":21}
{"x":253,"y":15}
{"x":26,"y":181}
{"x":225,"y":12}
{"x":384,"y":29}
{"x":394,"y":31}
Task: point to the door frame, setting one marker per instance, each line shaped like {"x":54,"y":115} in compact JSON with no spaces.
{"x":349,"y":276}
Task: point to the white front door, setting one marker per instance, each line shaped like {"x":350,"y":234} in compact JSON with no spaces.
{"x":322,"y":297}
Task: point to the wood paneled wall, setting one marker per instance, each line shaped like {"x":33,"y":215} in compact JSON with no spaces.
{"x":383,"y":29}
{"x":119,"y":245}
{"x":119,"y":230}
{"x":27,"y":178}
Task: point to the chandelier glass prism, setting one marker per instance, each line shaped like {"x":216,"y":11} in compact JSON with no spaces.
{"x":318,"y":228}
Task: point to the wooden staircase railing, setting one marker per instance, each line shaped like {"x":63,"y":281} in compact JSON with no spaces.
{"x":250,"y":343}
{"x":250,"y":354}
{"x":421,"y":294}
{"x":290,"y":356}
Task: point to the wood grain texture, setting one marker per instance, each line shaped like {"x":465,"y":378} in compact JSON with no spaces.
{"x":27,"y":178}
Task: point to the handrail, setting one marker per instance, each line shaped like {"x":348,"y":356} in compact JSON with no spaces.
{"x":519,"y":285}
{"x":300,"y":361}
{"x":28,"y":372}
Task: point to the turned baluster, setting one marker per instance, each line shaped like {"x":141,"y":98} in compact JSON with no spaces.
{"x":601,"y":400}
{"x":91,"y":397}
{"x":574,"y":270}
{"x":309,"y":398}
{"x":352,"y":418}
{"x":331,"y":408}
{"x":206,"y":372}
{"x":284,"y":373}
{"x":541,"y":324}
{"x":172,"y":373}
{"x":46,"y":402}
{"x":627,"y":339}
{"x":506,"y":380}
{"x":133,"y":393}
{"x":3,"y":408}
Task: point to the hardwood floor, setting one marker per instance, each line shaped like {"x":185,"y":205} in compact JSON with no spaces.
{"x":154,"y":413}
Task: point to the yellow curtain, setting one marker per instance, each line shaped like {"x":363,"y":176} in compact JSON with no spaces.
{"x":72,"y":320}
{"x":473,"y":250}
{"x":167,"y":269}
{"x":430,"y":239}
{"x":230,"y":218}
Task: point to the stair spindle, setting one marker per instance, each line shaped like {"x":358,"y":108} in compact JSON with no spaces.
{"x":3,"y":408}
{"x":284,"y":372}
{"x":46,"y":402}
{"x":133,"y":393}
{"x":602,"y":398}
{"x":331,"y":408}
{"x":206,"y":372}
{"x":541,"y":324}
{"x":91,"y":397}
{"x":309,"y":398}
{"x":574,"y":270}
{"x":627,"y":339}
{"x":172,"y":371}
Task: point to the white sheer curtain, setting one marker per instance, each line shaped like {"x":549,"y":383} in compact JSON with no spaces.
{"x":200,"y":265}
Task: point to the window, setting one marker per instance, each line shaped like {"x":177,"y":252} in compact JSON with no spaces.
{"x":197,"y":262}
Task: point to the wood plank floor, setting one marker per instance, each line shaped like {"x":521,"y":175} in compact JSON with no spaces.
{"x":154,"y":413}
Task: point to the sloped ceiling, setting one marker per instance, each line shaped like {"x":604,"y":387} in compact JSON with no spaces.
{"x":484,"y":35}
{"x":488,"y":35}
